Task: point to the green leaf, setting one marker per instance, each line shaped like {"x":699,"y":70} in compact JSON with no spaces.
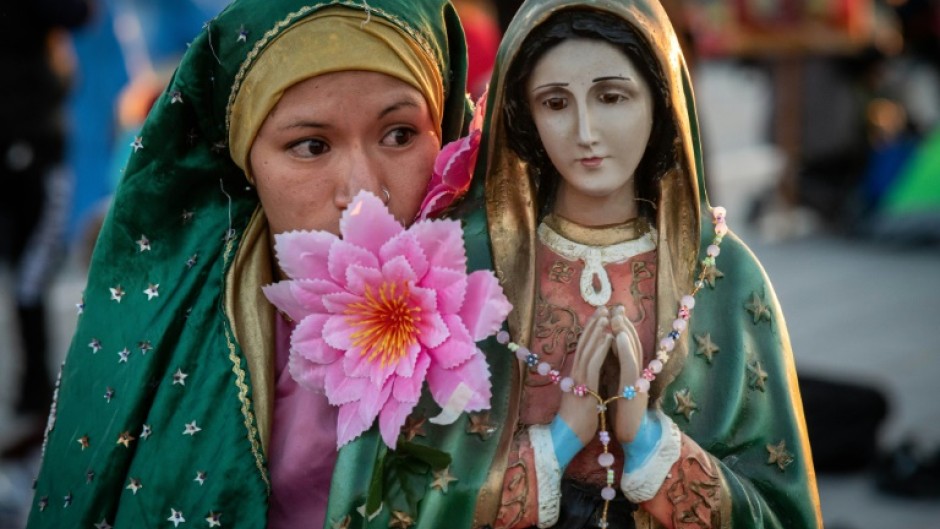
{"x":437,"y":459}
{"x":375,"y":494}
{"x":408,"y":474}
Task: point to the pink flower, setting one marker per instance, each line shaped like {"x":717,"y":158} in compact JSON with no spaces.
{"x":382,"y":309}
{"x":453,"y":168}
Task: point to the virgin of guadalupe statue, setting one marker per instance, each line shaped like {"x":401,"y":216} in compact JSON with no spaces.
{"x":603,"y":238}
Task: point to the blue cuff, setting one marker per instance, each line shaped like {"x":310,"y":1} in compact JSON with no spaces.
{"x":639,"y":451}
{"x":566,"y":443}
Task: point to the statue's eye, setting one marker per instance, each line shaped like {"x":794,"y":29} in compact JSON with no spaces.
{"x":556,"y":103}
{"x":611,"y":98}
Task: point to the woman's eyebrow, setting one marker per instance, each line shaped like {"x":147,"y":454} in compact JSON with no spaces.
{"x":305,"y":124}
{"x":406,"y":101}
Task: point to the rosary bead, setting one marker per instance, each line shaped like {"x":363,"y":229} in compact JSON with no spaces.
{"x":656,"y":366}
{"x":667,"y":344}
{"x":718,"y":214}
{"x":502,"y":337}
{"x":532,"y":360}
{"x":679,"y":324}
{"x":608,"y":493}
{"x":629,"y":392}
{"x":687,"y":301}
{"x":643,"y":385}
{"x":606,"y":459}
{"x":544,"y":368}
{"x":566,"y":384}
{"x":713,"y":250}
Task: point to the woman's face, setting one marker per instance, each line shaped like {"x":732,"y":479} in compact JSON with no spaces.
{"x":333,"y":135}
{"x":594,"y":114}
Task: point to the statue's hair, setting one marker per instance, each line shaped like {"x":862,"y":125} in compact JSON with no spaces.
{"x":522,"y":135}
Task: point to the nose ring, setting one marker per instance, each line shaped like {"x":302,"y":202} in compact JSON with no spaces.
{"x":388,"y":196}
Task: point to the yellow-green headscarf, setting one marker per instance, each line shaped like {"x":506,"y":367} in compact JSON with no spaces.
{"x":345,"y":39}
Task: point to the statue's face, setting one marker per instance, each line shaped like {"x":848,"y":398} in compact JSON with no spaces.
{"x":594,"y":114}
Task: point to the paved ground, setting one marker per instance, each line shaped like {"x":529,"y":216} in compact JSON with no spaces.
{"x":856,"y":310}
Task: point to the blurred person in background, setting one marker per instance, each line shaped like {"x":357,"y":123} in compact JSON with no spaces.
{"x":480,"y":22}
{"x":36,"y":53}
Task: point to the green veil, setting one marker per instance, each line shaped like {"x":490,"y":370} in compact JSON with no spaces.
{"x":156,"y":415}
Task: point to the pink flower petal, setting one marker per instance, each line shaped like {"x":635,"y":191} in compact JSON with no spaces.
{"x":372,"y":402}
{"x":349,"y":424}
{"x":474,"y":373}
{"x":458,"y":169}
{"x":408,"y":389}
{"x":485,"y":307}
{"x":367,"y":223}
{"x":356,"y":364}
{"x":307,"y":340}
{"x":342,"y":389}
{"x":344,"y":254}
{"x":310,"y":292}
{"x":301,"y":254}
{"x":398,"y":270}
{"x":435,"y":201}
{"x":308,"y":374}
{"x":451,"y":175}
{"x":392,"y":418}
{"x":337,"y":303}
{"x":282,"y":297}
{"x":406,"y":365}
{"x":299,"y":297}
{"x":433,"y":330}
{"x":337,"y":333}
{"x":357,"y":277}
{"x":442,"y":242}
{"x":406,"y":246}
{"x":450,"y":286}
{"x":457,"y":349}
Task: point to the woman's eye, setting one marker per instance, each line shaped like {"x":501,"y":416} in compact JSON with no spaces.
{"x":310,"y":148}
{"x":611,"y":98}
{"x":555,"y":103}
{"x":398,"y":137}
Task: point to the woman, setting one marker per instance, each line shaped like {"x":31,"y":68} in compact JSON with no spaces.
{"x":173,"y":405}
{"x":597,"y":221}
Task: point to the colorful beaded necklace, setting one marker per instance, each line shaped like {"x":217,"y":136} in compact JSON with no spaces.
{"x":642,"y":385}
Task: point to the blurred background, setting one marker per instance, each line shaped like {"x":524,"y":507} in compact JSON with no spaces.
{"x":821,"y":129}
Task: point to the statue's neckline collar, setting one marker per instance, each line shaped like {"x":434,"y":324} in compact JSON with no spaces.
{"x":610,"y":234}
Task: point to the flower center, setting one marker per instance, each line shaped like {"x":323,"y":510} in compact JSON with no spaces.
{"x":386,"y":322}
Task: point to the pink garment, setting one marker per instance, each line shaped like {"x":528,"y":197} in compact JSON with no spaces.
{"x":302,"y":452}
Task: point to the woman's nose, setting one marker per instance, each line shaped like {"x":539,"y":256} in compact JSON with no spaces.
{"x":361,"y":173}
